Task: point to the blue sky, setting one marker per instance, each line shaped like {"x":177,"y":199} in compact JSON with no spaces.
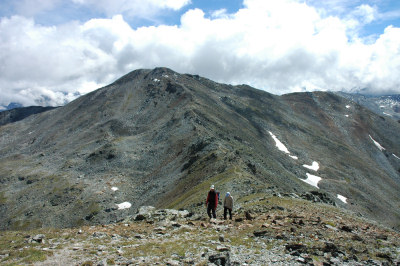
{"x":55,"y":50}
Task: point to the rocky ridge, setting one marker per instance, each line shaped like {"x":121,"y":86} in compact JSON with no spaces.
{"x":265,"y":230}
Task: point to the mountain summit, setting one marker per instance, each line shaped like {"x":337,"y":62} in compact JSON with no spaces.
{"x":156,"y":137}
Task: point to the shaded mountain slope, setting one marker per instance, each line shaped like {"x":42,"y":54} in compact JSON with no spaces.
{"x":156,"y":137}
{"x":17,"y":114}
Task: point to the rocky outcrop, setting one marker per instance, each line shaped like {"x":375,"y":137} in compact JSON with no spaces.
{"x":151,"y":214}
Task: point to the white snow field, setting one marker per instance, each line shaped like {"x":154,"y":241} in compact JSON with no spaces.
{"x":124,"y":205}
{"x":114,"y":188}
{"x":281,"y":146}
{"x":314,"y":166}
{"x":342,"y":198}
{"x":377,"y":144}
{"x":312,"y":180}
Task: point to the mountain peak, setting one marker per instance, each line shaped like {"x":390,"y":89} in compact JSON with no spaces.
{"x":156,"y":137}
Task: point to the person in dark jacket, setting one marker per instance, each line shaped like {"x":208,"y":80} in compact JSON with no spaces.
{"x":212,"y":202}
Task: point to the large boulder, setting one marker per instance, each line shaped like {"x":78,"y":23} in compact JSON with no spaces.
{"x":150,"y":213}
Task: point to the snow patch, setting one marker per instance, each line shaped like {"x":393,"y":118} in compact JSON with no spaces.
{"x":314,"y":166}
{"x":387,"y":114}
{"x":346,"y":115}
{"x":348,"y":106}
{"x":114,"y":188}
{"x":342,"y":198}
{"x":124,"y":205}
{"x":395,"y":156}
{"x":156,"y":80}
{"x":312,"y":180}
{"x":281,"y":146}
{"x":377,"y":144}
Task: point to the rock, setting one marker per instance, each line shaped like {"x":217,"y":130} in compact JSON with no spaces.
{"x":278,"y":208}
{"x":173,"y":263}
{"x":248,"y":215}
{"x":346,"y":228}
{"x":259,"y":233}
{"x":222,"y":248}
{"x":281,"y":236}
{"x":39,"y":238}
{"x":331,"y":227}
{"x":239,"y":219}
{"x":330,"y":247}
{"x":144,"y":213}
{"x":220,"y":259}
{"x":382,"y":237}
{"x":151,"y":214}
{"x":384,"y":256}
{"x":317,"y":196}
{"x":102,"y":263}
{"x":99,"y":234}
{"x":176,"y":225}
{"x":301,"y":259}
{"x":188,"y":261}
{"x":296,"y":247}
{"x":221,"y":238}
{"x":139,"y":217}
{"x":356,"y":238}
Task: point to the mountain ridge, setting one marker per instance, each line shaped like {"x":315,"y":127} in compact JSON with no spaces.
{"x":161,"y":138}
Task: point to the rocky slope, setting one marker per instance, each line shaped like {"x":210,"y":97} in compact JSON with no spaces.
{"x":156,"y":137}
{"x":265,"y":230}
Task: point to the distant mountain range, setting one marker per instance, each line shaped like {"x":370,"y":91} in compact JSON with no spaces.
{"x":385,"y":105}
{"x":157,"y":137}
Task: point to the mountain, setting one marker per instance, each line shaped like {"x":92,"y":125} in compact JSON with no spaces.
{"x":385,"y":105}
{"x":19,"y":113}
{"x":156,"y":137}
{"x":10,"y":106}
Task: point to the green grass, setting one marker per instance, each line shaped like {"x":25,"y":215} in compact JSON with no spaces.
{"x":14,"y":244}
{"x":3,"y":198}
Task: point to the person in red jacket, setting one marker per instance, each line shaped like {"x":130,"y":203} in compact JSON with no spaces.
{"x":212,"y":202}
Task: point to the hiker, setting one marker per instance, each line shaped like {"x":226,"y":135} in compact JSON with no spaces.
{"x":212,"y":202}
{"x":228,"y":205}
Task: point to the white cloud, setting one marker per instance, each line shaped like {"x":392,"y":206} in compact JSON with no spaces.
{"x":366,"y":13}
{"x":280,"y":46}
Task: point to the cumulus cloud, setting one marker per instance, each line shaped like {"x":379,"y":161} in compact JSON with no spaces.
{"x":279,"y":46}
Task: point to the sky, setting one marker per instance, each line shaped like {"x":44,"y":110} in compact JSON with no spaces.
{"x":53,"y":51}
